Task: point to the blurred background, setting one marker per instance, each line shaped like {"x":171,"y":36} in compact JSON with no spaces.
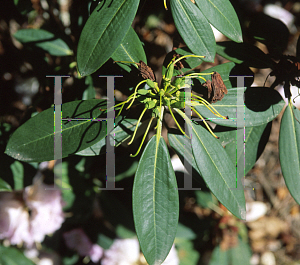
{"x":272,"y":226}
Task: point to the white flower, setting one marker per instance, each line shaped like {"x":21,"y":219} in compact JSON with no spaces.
{"x":122,"y":252}
{"x":77,"y":240}
{"x":45,"y":217}
{"x":127,"y":252}
{"x":14,"y":219}
{"x":46,"y":210}
{"x":172,"y":258}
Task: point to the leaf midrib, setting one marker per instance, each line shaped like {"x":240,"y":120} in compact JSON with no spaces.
{"x":107,"y":26}
{"x":216,"y":167}
{"x":224,"y":16}
{"x":52,"y":134}
{"x":192,"y":24}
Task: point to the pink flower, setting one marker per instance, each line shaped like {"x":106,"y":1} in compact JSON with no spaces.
{"x":18,"y":226}
{"x":77,"y":240}
{"x":46,"y":210}
{"x":14,"y":219}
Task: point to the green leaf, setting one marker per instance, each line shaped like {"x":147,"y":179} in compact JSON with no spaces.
{"x":186,"y":252}
{"x":219,"y":257}
{"x":45,"y":40}
{"x":12,"y":256}
{"x":289,"y":150}
{"x":4,"y":186}
{"x":17,"y":170}
{"x":155,"y":202}
{"x":205,"y":198}
{"x":245,"y":53}
{"x":120,"y":134}
{"x":222,"y":16}
{"x":217,"y":169}
{"x":262,"y":105}
{"x":103,"y":33}
{"x":61,"y":171}
{"x":34,"y":140}
{"x":89,"y":92}
{"x":241,"y":254}
{"x":251,"y":138}
{"x":179,"y":142}
{"x":194,"y":28}
{"x":130,"y":50}
{"x":185,"y":232}
{"x":189,"y":62}
{"x":224,"y":70}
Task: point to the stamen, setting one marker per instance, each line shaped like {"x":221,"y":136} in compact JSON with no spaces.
{"x":148,"y":127}
{"x":176,"y":120}
{"x":207,"y":126}
{"x":210,"y":107}
{"x":134,"y":94}
{"x":165,"y":4}
{"x":136,"y":127}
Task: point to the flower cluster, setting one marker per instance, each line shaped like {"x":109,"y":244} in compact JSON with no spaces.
{"x":122,"y":251}
{"x":29,"y":215}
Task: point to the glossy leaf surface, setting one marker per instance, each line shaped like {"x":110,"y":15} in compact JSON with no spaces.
{"x":222,"y":16}
{"x":121,"y":133}
{"x":217,"y":169}
{"x":251,"y":137}
{"x":103,"y":33}
{"x":289,"y":150}
{"x":130,"y":50}
{"x":262,"y":105}
{"x":34,"y":140}
{"x":194,"y":28}
{"x":155,"y":202}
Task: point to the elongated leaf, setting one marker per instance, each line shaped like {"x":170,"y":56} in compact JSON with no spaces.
{"x":34,"y":140}
{"x":4,"y":186}
{"x":222,"y":16}
{"x":12,"y":256}
{"x":103,"y":33}
{"x":188,"y":255}
{"x":121,"y":133}
{"x":289,"y":150}
{"x":244,"y":53}
{"x":217,"y":169}
{"x":241,"y":254}
{"x":45,"y":40}
{"x":219,"y":257}
{"x":251,"y":138}
{"x":262,"y":105}
{"x":237,"y":255}
{"x":228,"y":141}
{"x":155,"y":202}
{"x":194,"y":28}
{"x":89,"y":92}
{"x":130,"y":50}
